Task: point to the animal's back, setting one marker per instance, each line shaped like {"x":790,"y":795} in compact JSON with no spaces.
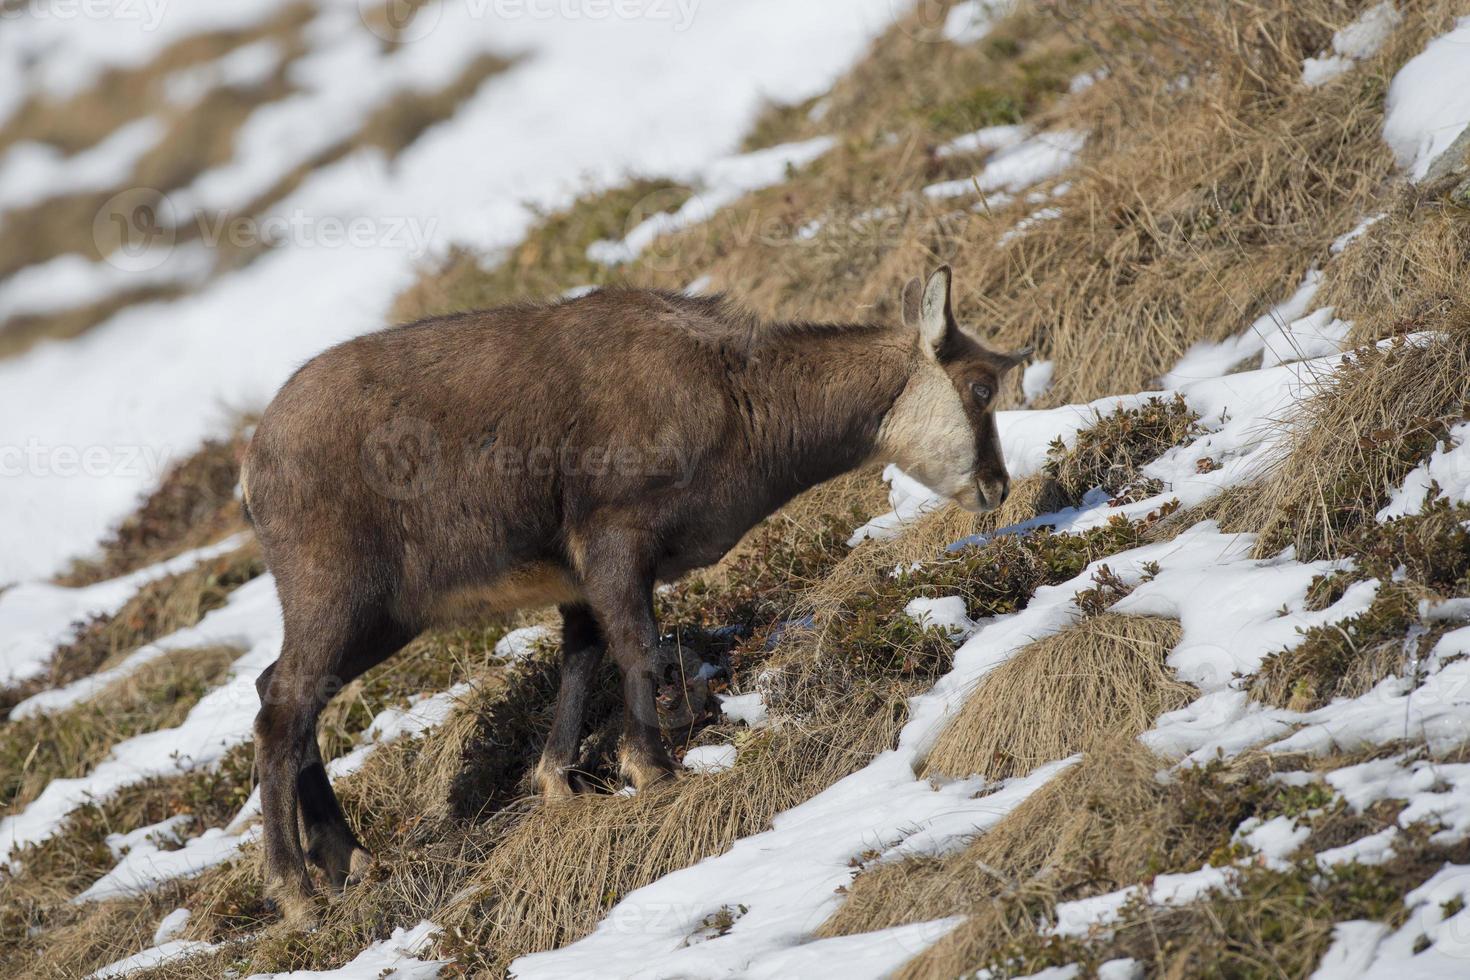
{"x":479,"y":432}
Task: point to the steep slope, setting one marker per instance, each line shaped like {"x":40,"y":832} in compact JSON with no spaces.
{"x":1190,"y":704}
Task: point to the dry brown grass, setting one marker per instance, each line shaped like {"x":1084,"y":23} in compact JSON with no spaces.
{"x":554,"y":874}
{"x":1095,"y":822}
{"x":1353,"y":441}
{"x":1108,"y":822}
{"x":1099,"y":679}
{"x":1407,"y":272}
{"x":1191,"y":211}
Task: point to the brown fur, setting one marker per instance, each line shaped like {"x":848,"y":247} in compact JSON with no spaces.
{"x":575,"y":453}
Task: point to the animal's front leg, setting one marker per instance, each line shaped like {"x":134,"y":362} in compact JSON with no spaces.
{"x":619,"y":584}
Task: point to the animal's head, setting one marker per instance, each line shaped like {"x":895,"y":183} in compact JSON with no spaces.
{"x":942,"y":428}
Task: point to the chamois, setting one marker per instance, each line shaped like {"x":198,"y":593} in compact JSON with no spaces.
{"x":575,"y":454}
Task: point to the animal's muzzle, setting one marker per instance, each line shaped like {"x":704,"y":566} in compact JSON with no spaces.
{"x":993,"y":493}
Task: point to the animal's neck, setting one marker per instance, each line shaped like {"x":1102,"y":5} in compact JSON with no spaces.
{"x":815,"y":404}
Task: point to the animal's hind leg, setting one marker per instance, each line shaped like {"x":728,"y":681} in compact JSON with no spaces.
{"x":318,"y":636}
{"x":330,"y":842}
{"x":581,"y":653}
{"x":284,"y":727}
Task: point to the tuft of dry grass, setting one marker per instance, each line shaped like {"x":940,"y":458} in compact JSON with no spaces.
{"x":1062,"y":694}
{"x":553,"y":876}
{"x":1352,"y":442}
{"x":1406,"y":272}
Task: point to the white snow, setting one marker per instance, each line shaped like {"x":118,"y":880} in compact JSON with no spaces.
{"x":1370,"y":951}
{"x":720,"y":184}
{"x":171,"y":925}
{"x":1315,"y":335}
{"x":785,"y":878}
{"x":710,"y":758}
{"x":1036,"y":380}
{"x":1448,"y":468}
{"x":62,"y":48}
{"x":37,"y":617}
{"x":70,"y":281}
{"x":984,"y":140}
{"x":1234,"y":610}
{"x":235,"y":624}
{"x":399,"y":957}
{"x":1429,"y":101}
{"x":166,"y":831}
{"x":145,"y":864}
{"x":1207,"y":359}
{"x":947,"y":614}
{"x":221,"y":720}
{"x":970,"y":20}
{"x":245,"y":67}
{"x":32,"y":172}
{"x":1353,"y":944}
{"x":519,"y":644}
{"x":1017,"y":167}
{"x":744,"y":709}
{"x":157,"y":955}
{"x":870,"y":954}
{"x":1341,"y":242}
{"x":1026,"y":224}
{"x":1360,"y":39}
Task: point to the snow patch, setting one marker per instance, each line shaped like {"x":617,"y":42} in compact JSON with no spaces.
{"x":1428,"y":102}
{"x":1360,"y":39}
{"x":710,"y":758}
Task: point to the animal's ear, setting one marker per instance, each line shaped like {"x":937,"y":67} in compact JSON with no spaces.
{"x":913,"y":293}
{"x":935,"y":314}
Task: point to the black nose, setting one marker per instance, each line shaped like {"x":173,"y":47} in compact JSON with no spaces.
{"x":1005,"y":490}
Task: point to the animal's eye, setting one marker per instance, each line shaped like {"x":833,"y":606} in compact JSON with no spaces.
{"x":981,"y":392}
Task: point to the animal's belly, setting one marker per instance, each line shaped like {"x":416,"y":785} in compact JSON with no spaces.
{"x":525,"y":587}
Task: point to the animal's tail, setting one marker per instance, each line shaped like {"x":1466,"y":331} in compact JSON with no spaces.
{"x":245,"y":491}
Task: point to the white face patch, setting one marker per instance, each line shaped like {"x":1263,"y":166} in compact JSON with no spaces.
{"x":928,"y":435}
